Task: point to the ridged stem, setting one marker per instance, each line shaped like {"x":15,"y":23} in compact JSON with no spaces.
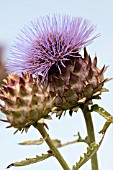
{"x":90,"y":132}
{"x":52,"y":147}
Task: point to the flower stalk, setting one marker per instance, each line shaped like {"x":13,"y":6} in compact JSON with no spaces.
{"x":91,"y":134}
{"x":52,"y":147}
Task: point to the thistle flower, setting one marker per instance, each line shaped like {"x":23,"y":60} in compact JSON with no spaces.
{"x":51,"y":48}
{"x":49,"y":42}
{"x":25,"y":101}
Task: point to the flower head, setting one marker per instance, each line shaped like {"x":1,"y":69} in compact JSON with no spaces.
{"x":47,"y":42}
{"x":80,"y":83}
{"x":25,"y":101}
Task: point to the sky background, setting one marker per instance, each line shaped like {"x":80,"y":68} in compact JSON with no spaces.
{"x":14,"y":15}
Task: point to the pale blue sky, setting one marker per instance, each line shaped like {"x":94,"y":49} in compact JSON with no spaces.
{"x":16,"y":14}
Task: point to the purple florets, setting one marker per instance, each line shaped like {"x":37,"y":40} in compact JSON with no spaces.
{"x":47,"y":42}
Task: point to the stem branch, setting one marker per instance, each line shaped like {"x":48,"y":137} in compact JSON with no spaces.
{"x":52,"y":147}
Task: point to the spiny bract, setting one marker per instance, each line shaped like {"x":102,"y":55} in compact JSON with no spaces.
{"x":25,"y":100}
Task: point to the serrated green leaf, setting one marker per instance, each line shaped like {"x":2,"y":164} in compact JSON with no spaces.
{"x":104,"y":114}
{"x":91,"y":150}
{"x":101,"y":111}
{"x":105,"y":127}
{"x":33,"y":142}
{"x":29,"y":161}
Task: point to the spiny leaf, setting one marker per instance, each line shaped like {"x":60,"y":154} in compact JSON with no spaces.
{"x":29,"y":161}
{"x":91,"y":150}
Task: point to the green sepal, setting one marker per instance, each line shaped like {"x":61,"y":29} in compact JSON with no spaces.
{"x":7,"y":112}
{"x":20,"y":102}
{"x":66,"y":105}
{"x":16,"y":114}
{"x":34,"y":88}
{"x":58,"y":101}
{"x":7,"y":100}
{"x":88,"y":91}
{"x":33,"y":115}
{"x":71,"y":96}
{"x":34,"y":100}
{"x":23,"y":90}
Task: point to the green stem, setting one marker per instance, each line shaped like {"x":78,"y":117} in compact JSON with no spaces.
{"x":91,"y":135}
{"x":52,"y":147}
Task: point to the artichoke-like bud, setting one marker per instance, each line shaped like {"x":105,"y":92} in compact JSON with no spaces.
{"x":25,"y":100}
{"x":78,"y":81}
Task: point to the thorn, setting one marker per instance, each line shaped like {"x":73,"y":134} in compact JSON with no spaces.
{"x":89,"y":61}
{"x":107,"y":79}
{"x":97,"y":93}
{"x":9,"y":126}
{"x":5,"y":89}
{"x":104,"y":90}
{"x":82,"y":100}
{"x":41,"y":121}
{"x":4,"y":120}
{"x":21,"y":81}
{"x":5,"y":81}
{"x":86,"y":53}
{"x":10,"y":81}
{"x":46,"y":126}
{"x":9,"y":166}
{"x":1,"y":91}
{"x":22,"y":130}
{"x":30,"y":78}
{"x":11,"y":90}
{"x":70,"y":112}
{"x":26,"y":129}
{"x":103,"y":69}
{"x":7,"y":100}
{"x":95,"y":61}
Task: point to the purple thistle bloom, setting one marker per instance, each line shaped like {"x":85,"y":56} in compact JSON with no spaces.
{"x":47,"y":42}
